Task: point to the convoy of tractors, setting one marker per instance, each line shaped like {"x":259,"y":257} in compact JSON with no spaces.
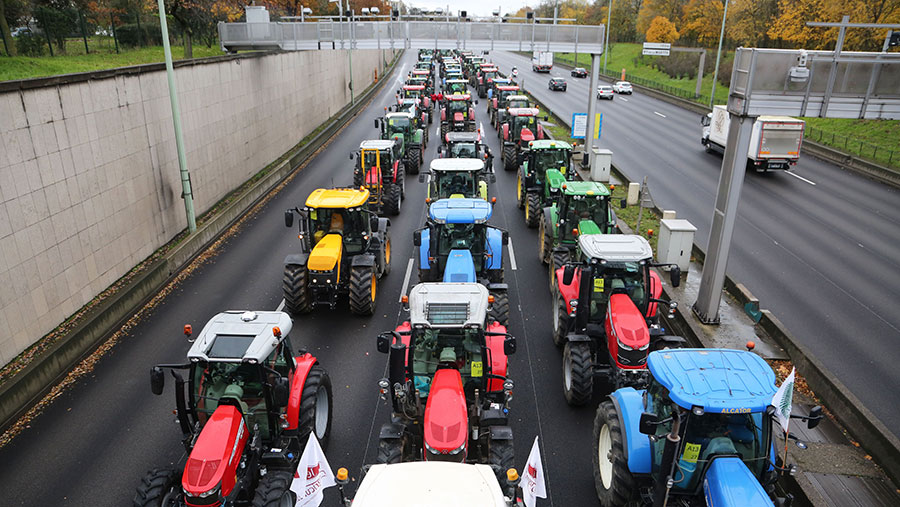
{"x":675,"y":424}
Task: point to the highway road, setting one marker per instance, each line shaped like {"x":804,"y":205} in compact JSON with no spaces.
{"x":819,"y":246}
{"x":94,"y":443}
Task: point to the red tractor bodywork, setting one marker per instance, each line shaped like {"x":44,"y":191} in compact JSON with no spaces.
{"x":214,"y":459}
{"x":446,"y":417}
{"x":304,"y":363}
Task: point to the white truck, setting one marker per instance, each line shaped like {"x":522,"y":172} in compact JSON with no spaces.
{"x":542,"y":61}
{"x":774,"y":144}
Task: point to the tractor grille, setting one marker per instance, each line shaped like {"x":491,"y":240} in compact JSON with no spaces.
{"x":447,"y":313}
{"x":632,"y":357}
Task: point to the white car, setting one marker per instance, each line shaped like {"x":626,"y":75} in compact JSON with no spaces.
{"x":605,"y":92}
{"x":622,"y":87}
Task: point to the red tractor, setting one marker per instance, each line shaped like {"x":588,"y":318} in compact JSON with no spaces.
{"x":246,"y":410}
{"x":417,"y":91}
{"x":521,"y":127}
{"x":606,"y":313}
{"x":484,"y":78}
{"x":499,"y":99}
{"x":457,"y":114}
{"x":447,"y":380}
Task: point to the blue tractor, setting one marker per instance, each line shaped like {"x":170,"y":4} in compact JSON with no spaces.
{"x":457,"y":245}
{"x":700,"y":434}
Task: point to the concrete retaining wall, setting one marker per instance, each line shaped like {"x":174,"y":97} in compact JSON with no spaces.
{"x":89,"y":179}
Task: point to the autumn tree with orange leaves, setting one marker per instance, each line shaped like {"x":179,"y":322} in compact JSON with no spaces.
{"x":662,"y":30}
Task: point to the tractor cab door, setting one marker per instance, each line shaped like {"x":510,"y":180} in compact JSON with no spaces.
{"x":238,"y":384}
{"x":370,"y":160}
{"x":618,"y":278}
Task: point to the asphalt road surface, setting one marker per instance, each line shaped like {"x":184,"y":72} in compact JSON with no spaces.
{"x":819,"y":246}
{"x":94,"y":443}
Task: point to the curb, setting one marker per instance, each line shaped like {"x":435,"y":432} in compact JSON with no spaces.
{"x":35,"y":380}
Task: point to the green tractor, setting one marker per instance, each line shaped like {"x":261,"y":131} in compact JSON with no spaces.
{"x":536,"y":182}
{"x":404,"y":128}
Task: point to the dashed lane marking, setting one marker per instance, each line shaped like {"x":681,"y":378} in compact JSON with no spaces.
{"x":801,"y":178}
{"x":512,"y":256}
{"x":659,"y":114}
{"x":409,"y":267}
{"x":280,"y":305}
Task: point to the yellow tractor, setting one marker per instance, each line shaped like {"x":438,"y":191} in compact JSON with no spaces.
{"x":344,"y":249}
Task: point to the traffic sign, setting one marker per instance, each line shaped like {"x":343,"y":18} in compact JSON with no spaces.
{"x":655,"y":52}
{"x":579,"y":125}
{"x":657,"y":45}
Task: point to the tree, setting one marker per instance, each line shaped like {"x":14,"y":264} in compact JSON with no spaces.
{"x":650,"y":9}
{"x":661,"y":30}
{"x":790,"y":23}
{"x":860,"y":11}
{"x":749,"y":21}
{"x":58,"y":19}
{"x":624,"y":18}
{"x":702,"y":21}
{"x":4,"y":30}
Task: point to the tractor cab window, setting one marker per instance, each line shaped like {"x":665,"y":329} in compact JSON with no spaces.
{"x":617,"y":278}
{"x":457,"y":183}
{"x":398,"y":124}
{"x":517,"y":103}
{"x":351,"y":225}
{"x":553,"y":159}
{"x":522,"y":122}
{"x":462,"y":150}
{"x":491,"y":74}
{"x":456,"y":88}
{"x":459,"y":349}
{"x":586,"y":208}
{"x":372,"y":158}
{"x":239,"y":383}
{"x":458,"y":106}
{"x":507,"y":93}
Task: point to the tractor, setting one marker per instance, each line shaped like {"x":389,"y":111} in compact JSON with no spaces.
{"x":701,"y":433}
{"x":534,"y":185}
{"x":344,"y":249}
{"x":455,"y":87}
{"x":419,"y":116}
{"x":467,"y":145}
{"x":457,"y":114}
{"x":457,"y":245}
{"x":402,"y":126}
{"x":246,"y":410}
{"x":417,"y":91}
{"x":447,"y":384}
{"x":381,"y":172}
{"x":605,"y":313}
{"x":499,"y":98}
{"x":457,"y":177}
{"x":485,"y":79}
{"x":521,"y":128}
{"x":501,"y":114}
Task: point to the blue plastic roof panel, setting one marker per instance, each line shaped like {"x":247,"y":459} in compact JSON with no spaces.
{"x":460,"y":211}
{"x":719,"y":380}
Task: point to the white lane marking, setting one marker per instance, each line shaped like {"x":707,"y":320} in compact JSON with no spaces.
{"x":280,"y":305}
{"x":801,"y":178}
{"x":409,"y":267}
{"x":860,"y":245}
{"x":437,"y":131}
{"x":512,"y":255}
{"x":400,"y":76}
{"x":659,"y":114}
{"x":623,"y":98}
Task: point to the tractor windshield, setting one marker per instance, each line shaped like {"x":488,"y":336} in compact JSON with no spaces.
{"x":507,"y":93}
{"x":458,"y":106}
{"x":462,"y":150}
{"x":351,"y":225}
{"x":460,"y":183}
{"x":411,"y":94}
{"x":462,"y":237}
{"x":456,"y":88}
{"x":373,"y":158}
{"x":552,"y":159}
{"x":517,"y":103}
{"x":491,"y":74}
{"x":460,"y":349}
{"x":523,"y":122}
{"x":618,"y":278}
{"x":398,"y":124}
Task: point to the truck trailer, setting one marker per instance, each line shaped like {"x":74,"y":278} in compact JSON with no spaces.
{"x":774,"y":143}
{"x":542,"y":61}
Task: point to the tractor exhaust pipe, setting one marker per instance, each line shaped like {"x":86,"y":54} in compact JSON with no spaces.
{"x":584,"y":298}
{"x":396,"y":365}
{"x":667,"y":465}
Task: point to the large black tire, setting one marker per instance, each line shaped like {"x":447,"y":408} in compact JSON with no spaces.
{"x":444,"y":128}
{"x":316,"y":407}
{"x":520,"y":191}
{"x":274,"y":490}
{"x":578,"y":373}
{"x":295,"y":286}
{"x":160,"y":487}
{"x":533,"y":210}
{"x":500,"y":308}
{"x":502,"y":455}
{"x":509,"y":157}
{"x":612,"y":479}
{"x":392,"y":199}
{"x":363,"y":289}
{"x":390,"y":450}
{"x":560,"y":322}
{"x":546,"y":245}
{"x":386,"y":269}
{"x":413,"y":160}
{"x":557,"y":260}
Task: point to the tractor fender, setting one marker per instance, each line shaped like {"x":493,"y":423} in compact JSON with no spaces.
{"x":671,"y":339}
{"x":384,"y":224}
{"x":296,"y":259}
{"x":568,"y":292}
{"x":305,"y":363}
{"x":655,"y":292}
{"x":392,"y":430}
{"x":501,"y":433}
{"x":494,"y":245}
{"x":494,"y":103}
{"x":497,"y":286}
{"x":396,"y":165}
{"x":576,"y":337}
{"x":443,"y":114}
{"x":506,"y":131}
{"x":423,"y":249}
{"x":550,"y":221}
{"x":497,"y":358}
{"x":540,"y":131}
{"x":629,"y":406}
{"x":365,"y":259}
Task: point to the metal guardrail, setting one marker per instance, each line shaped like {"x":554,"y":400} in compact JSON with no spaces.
{"x":411,"y":34}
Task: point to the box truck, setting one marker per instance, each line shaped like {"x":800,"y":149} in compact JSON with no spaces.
{"x":774,"y":143}
{"x":542,"y":61}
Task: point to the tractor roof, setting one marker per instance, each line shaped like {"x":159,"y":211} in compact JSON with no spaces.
{"x":508,"y":88}
{"x":719,"y":380}
{"x":615,"y":247}
{"x":337,"y":198}
{"x":448,"y":304}
{"x":588,"y":188}
{"x":420,"y":72}
{"x":457,"y":164}
{"x":463,"y":137}
{"x":457,"y":81}
{"x":237,"y":335}
{"x":413,"y":87}
{"x":500,"y":81}
{"x":459,"y":96}
{"x":549,"y":144}
{"x":432,"y":483}
{"x":460,"y":210}
{"x":399,"y":114}
{"x":377,"y":144}
{"x":523,"y":111}
{"x":517,"y":97}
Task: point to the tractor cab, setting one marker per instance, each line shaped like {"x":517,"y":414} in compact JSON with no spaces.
{"x":415,"y":91}
{"x":500,"y":97}
{"x":575,"y":208}
{"x":512,"y":102}
{"x":378,"y":169}
{"x":522,"y":127}
{"x":423,"y":65}
{"x":541,"y":156}
{"x":406,"y":129}
{"x":709,"y":413}
{"x":419,"y":116}
{"x":467,"y":145}
{"x":417,"y":79}
{"x":492,"y":87}
{"x":485,"y":78}
{"x":447,"y":379}
{"x":457,"y":177}
{"x":457,"y":114}
{"x":455,"y":87}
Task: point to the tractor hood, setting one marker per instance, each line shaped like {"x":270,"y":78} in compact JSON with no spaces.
{"x":627,"y":331}
{"x":526,"y":135}
{"x":326,"y":254}
{"x":215,"y":456}
{"x":729,"y":482}
{"x":588,"y":227}
{"x":446,"y":419}
{"x":460,"y":267}
{"x":458,"y":117}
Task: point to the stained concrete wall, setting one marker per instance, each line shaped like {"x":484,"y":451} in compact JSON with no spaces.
{"x":89,"y":177}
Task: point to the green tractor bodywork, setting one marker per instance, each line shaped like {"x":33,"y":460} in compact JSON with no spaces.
{"x":457,"y":177}
{"x":404,"y":128}
{"x":455,"y":86}
{"x":533,"y":183}
{"x":381,"y":171}
{"x":419,"y":116}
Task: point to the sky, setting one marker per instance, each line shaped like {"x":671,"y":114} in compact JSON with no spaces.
{"x":473,"y":7}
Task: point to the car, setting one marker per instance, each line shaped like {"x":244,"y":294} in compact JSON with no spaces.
{"x":605,"y":92}
{"x":622,"y":87}
{"x":579,"y":72}
{"x":557,"y":83}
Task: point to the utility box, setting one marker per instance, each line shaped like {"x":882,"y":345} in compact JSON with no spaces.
{"x":601,"y":164}
{"x":256,"y":13}
{"x":676,"y":240}
{"x":634,"y":194}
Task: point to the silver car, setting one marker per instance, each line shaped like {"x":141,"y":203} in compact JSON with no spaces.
{"x":622,"y":87}
{"x":605,"y":92}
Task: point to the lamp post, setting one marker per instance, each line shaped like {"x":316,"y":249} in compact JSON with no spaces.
{"x":712,"y":94}
{"x":605,"y":42}
{"x":303,"y":12}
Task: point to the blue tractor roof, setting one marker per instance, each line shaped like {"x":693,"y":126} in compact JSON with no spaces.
{"x":460,"y":210}
{"x":719,"y":380}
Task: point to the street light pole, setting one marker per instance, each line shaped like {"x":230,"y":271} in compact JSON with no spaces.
{"x":606,"y":42}
{"x":712,"y":94}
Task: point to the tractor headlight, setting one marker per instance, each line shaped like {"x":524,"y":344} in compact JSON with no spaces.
{"x":626,"y":347}
{"x":573,"y":303}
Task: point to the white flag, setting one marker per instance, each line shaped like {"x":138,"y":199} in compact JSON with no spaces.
{"x":533,"y":477}
{"x":783,"y":399}
{"x":313,"y":474}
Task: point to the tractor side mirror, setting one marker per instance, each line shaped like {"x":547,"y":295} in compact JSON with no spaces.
{"x":373,"y":222}
{"x":504,"y":238}
{"x":704,"y":120}
{"x":476,"y":101}
{"x":493,"y":178}
{"x":509,"y":345}
{"x":440,"y":150}
{"x":546,"y":117}
{"x":521,"y":159}
{"x":421,"y":177}
{"x":417,"y":238}
{"x":157,"y":380}
{"x":377,"y":125}
{"x":623,"y":203}
{"x":288,"y":218}
{"x":675,"y":276}
{"x":568,"y":274}
{"x":281,"y":391}
{"x":350,"y":156}
{"x":648,"y":423}
{"x":383,"y":343}
{"x":814,"y":417}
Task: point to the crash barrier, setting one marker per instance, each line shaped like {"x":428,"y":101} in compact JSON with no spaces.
{"x":25,"y":388}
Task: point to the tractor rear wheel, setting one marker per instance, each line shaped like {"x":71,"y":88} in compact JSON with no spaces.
{"x":557,"y":260}
{"x":509,"y":157}
{"x":274,"y":490}
{"x":546,"y":246}
{"x":160,"y":487}
{"x":392,"y":199}
{"x":612,"y":479}
{"x":363,"y":286}
{"x":295,"y":286}
{"x":520,"y":191}
{"x":560,"y":322}
{"x":578,"y":373}
{"x":533,"y":210}
{"x":444,"y":128}
{"x":413,"y":160}
{"x":500,"y":308}
{"x":401,"y":179}
{"x":316,"y":407}
{"x":390,"y":450}
{"x":503,"y":456}
{"x":386,"y":269}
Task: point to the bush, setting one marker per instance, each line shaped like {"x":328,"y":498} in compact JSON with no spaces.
{"x":725,"y":69}
{"x":679,"y":65}
{"x":147,"y":35}
{"x":30,"y":44}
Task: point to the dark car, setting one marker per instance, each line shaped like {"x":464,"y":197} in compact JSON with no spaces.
{"x":557,"y":83}
{"x":579,"y":72}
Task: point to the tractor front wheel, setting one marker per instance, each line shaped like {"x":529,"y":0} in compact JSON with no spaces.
{"x":160,"y":487}
{"x":520,"y":191}
{"x":386,"y":268}
{"x":612,"y":479}
{"x":546,"y":246}
{"x":295,"y":286}
{"x":560,"y":322}
{"x":444,"y":128}
{"x":503,"y":456}
{"x":316,"y":407}
{"x":413,"y":160}
{"x":533,"y":210}
{"x":274,"y":490}
{"x":500,"y":307}
{"x":363,"y":287}
{"x":578,"y":373}
{"x":509,"y":157}
{"x":392,"y":199}
{"x":390,"y":451}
